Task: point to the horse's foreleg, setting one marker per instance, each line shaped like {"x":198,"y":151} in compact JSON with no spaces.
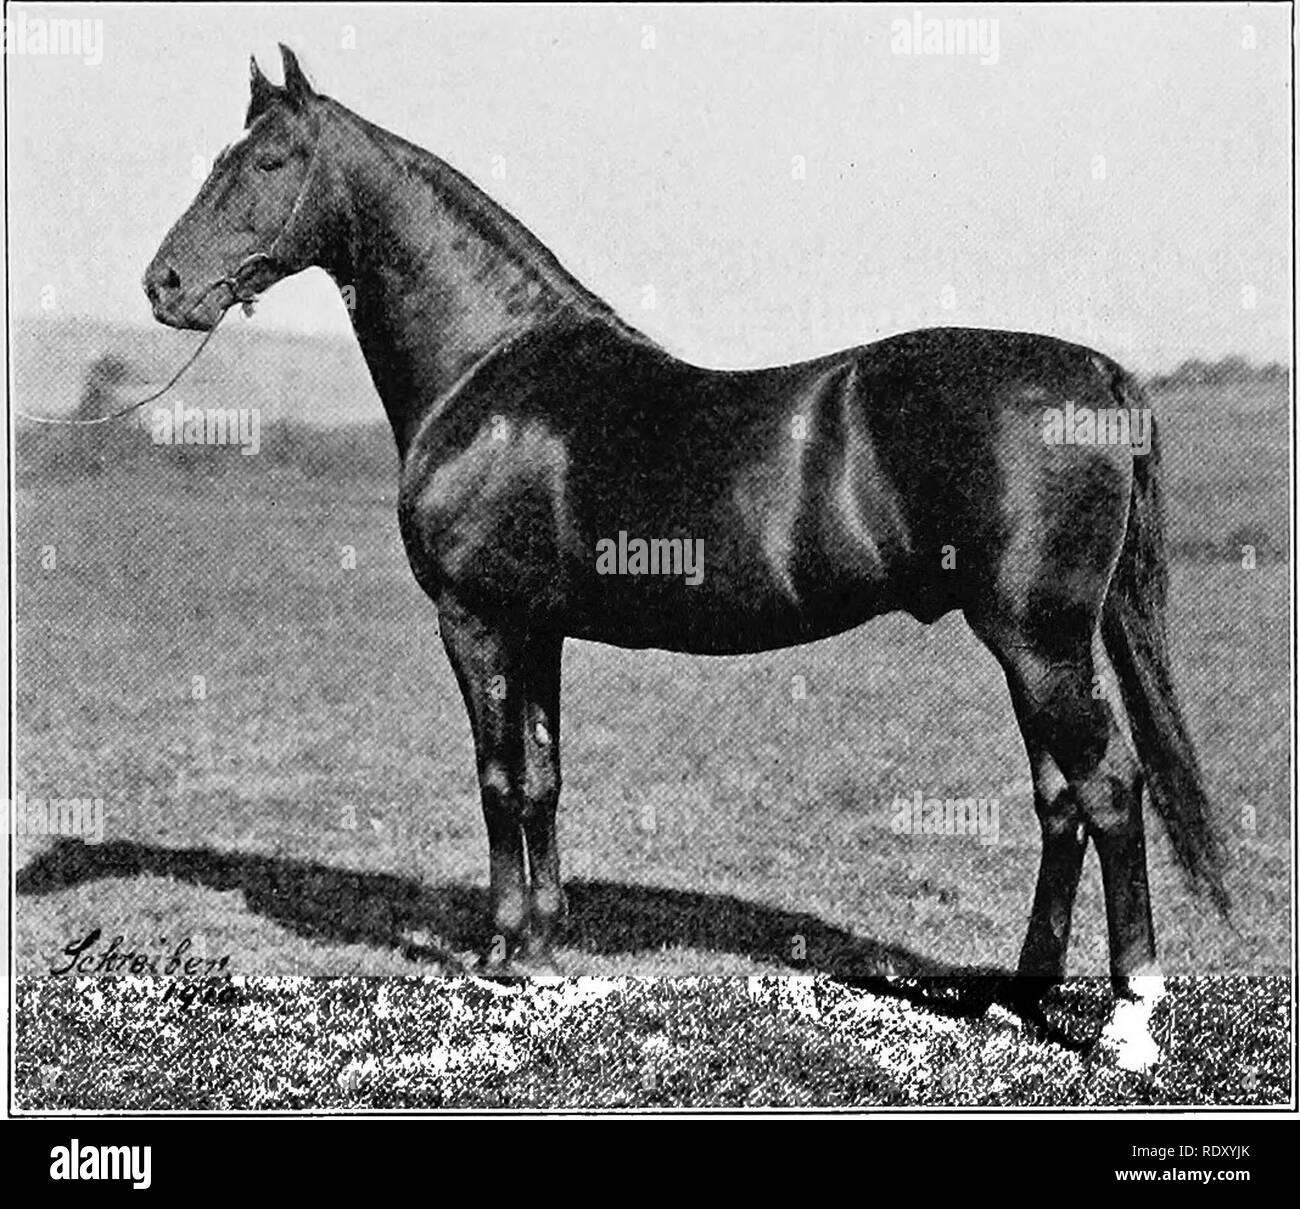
{"x":489,"y":668}
{"x":541,"y":790}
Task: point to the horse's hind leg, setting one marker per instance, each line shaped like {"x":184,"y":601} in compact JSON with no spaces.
{"x":1087,"y":783}
{"x":1064,"y":837}
{"x":1039,"y":690}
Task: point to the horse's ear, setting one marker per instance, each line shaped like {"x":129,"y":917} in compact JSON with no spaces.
{"x":295,"y":83}
{"x":262,"y":92}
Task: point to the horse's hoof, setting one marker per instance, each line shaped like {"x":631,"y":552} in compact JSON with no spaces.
{"x":515,"y":964}
{"x":1022,"y":997}
{"x":540,"y":965}
{"x":1126,"y":1040}
{"x":1137,"y":1055}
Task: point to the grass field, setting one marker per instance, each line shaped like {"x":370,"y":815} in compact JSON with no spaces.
{"x":309,"y":806}
{"x":734,"y":1043}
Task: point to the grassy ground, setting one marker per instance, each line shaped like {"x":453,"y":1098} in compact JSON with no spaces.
{"x":308,"y":806}
{"x":385,"y":1044}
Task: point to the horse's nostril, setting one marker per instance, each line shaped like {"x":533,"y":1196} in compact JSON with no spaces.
{"x":160,"y":283}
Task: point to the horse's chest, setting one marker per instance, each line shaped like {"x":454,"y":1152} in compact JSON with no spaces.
{"x":488,"y":521}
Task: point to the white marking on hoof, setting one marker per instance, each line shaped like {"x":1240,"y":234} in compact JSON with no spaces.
{"x":1147,"y":988}
{"x":1127,"y":1036}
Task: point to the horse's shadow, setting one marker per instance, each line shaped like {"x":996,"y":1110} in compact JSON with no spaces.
{"x":442,"y":924}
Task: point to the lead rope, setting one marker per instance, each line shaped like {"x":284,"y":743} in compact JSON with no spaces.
{"x":232,"y":282}
{"x":158,"y":394}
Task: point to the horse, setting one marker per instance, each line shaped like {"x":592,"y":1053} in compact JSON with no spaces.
{"x":541,"y":438}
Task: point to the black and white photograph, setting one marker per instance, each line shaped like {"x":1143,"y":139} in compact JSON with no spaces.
{"x":712,"y":560}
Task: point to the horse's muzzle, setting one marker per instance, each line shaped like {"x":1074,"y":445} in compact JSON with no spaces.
{"x":177,"y":307}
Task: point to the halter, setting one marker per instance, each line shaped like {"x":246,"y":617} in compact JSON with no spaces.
{"x":269,"y":256}
{"x":231,"y":282}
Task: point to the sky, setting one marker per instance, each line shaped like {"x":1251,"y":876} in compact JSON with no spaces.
{"x":748,"y":185}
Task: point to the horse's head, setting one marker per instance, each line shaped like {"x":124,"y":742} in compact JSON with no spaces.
{"x":256,"y":217}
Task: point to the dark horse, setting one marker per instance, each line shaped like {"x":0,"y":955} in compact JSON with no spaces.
{"x":537,"y":430}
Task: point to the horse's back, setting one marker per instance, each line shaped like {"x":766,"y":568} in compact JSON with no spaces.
{"x":898,"y":475}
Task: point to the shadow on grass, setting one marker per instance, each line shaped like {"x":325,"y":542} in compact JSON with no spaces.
{"x":446,"y":923}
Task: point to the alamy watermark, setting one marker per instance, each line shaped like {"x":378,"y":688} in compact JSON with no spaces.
{"x":651,"y":556}
{"x":77,"y":38}
{"x":1070,"y":425}
{"x":78,"y":1161}
{"x":951,"y":36}
{"x":80,"y":817}
{"x":919,"y":815}
{"x":181,"y":425}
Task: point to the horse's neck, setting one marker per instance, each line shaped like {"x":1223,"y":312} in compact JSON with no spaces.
{"x":440,"y":275}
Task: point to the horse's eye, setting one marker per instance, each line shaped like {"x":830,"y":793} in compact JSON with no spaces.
{"x":269,"y":165}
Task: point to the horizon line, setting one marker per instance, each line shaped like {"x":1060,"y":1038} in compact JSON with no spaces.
{"x":271,"y":330}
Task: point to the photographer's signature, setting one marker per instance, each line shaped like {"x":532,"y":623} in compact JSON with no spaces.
{"x":87,"y":956}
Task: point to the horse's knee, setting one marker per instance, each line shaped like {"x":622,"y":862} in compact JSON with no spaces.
{"x":499,"y":793}
{"x":540,"y":784}
{"x":519,"y":800}
{"x":495,"y":781}
{"x":539,"y":794}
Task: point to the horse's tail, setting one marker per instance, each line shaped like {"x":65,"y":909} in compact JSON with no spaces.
{"x":1134,"y":630}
